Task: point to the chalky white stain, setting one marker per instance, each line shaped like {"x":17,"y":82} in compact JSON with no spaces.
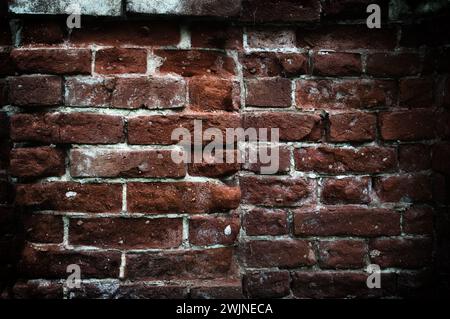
{"x":156,"y":6}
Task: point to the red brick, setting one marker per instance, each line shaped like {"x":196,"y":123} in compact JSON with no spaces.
{"x":352,"y":127}
{"x":404,"y":188}
{"x":35,"y":90}
{"x":71,"y":197}
{"x":37,"y":290}
{"x":280,"y":11}
{"x":208,"y":94}
{"x":270,"y":64}
{"x":158,"y":129}
{"x":119,"y":60}
{"x":271,"y":38}
{"x":324,"y":159}
{"x":337,"y":64}
{"x":345,"y":94}
{"x":6,"y":62}
{"x":223,"y":289}
{"x":182,"y":197}
{"x":212,"y":230}
{"x":55,"y":61}
{"x":283,"y":191}
{"x":346,"y":221}
{"x":215,"y":166}
{"x":279,"y":155}
{"x":346,"y":37}
{"x":188,"y":264}
{"x":124,"y":163}
{"x":351,"y":9}
{"x":38,"y":32}
{"x":217,"y":35}
{"x":52,"y":262}
{"x":407,"y":125}
{"x":278,"y":253}
{"x":261,"y":221}
{"x":340,"y":284}
{"x":192,"y":63}
{"x":43,"y":228}
{"x":67,"y":128}
{"x":416,"y":92}
{"x":88,"y":91}
{"x":268,"y":92}
{"x":403,"y":252}
{"x":287,"y":123}
{"x":418,"y":220}
{"x":441,"y":158}
{"x":348,"y":190}
{"x":126,"y":233}
{"x":37,"y":162}
{"x":267,"y":284}
{"x":414,"y":157}
{"x":393,"y":64}
{"x":342,"y":254}
{"x":112,"y":33}
{"x":150,"y":93}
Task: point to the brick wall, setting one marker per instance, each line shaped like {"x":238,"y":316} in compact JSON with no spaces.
{"x":364,"y":153}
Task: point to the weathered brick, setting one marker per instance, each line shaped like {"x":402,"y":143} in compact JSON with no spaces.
{"x":37,"y":289}
{"x":283,"y":191}
{"x":267,"y":284}
{"x":271,"y":64}
{"x":346,"y":37}
{"x":345,"y":94}
{"x":143,"y":290}
{"x":120,"y":60}
{"x":414,"y":157}
{"x":351,"y":9}
{"x":340,"y":284}
{"x":71,"y":197}
{"x":67,"y":128}
{"x":407,"y":125}
{"x":43,"y":228}
{"x":38,"y":32}
{"x":325,"y":159}
{"x":215,"y":165}
{"x":278,"y":253}
{"x":58,"y":7}
{"x":403,"y":252}
{"x":209,"y":94}
{"x":271,"y":38}
{"x":35,"y":90}
{"x":54,"y":61}
{"x":139,"y":33}
{"x":187,"y":264}
{"x":393,"y":64}
{"x":441,"y":158}
{"x":352,"y":127}
{"x":100,"y":162}
{"x":126,"y":233}
{"x":88,"y":91}
{"x":218,"y":289}
{"x":287,"y":123}
{"x":342,"y":254}
{"x":261,"y":221}
{"x":205,"y":231}
{"x":268,"y":92}
{"x":278,"y":159}
{"x":348,"y":190}
{"x":52,"y":262}
{"x":346,"y":221}
{"x":182,"y":197}
{"x":280,"y":11}
{"x":336,"y":64}
{"x":219,"y":35}
{"x":191,"y":63}
{"x":37,"y":162}
{"x":403,"y":188}
{"x":416,"y":93}
{"x":158,"y":129}
{"x":418,"y":220}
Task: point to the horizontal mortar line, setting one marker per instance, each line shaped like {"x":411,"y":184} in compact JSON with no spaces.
{"x":129,"y":215}
{"x":123,"y":180}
